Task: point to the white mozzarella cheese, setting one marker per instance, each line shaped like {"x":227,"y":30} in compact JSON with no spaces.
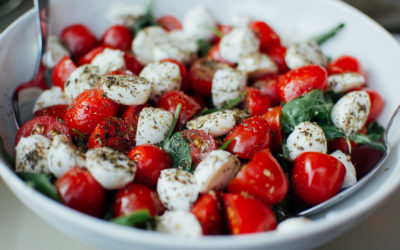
{"x":125,"y":14}
{"x":111,"y":168}
{"x":146,"y":40}
{"x":63,"y":155}
{"x":170,"y":51}
{"x":216,"y":124}
{"x":304,"y":53}
{"x":177,"y":189}
{"x":227,"y":84}
{"x":293,"y":224}
{"x":351,"y":112}
{"x":345,"y":82}
{"x":351,"y":177}
{"x":180,"y":223}
{"x":109,"y":60}
{"x":50,"y":97}
{"x":216,"y":171}
{"x":55,"y":51}
{"x":306,"y":137}
{"x":198,"y":22}
{"x":183,"y":41}
{"x":82,"y":78}
{"x":164,"y":76}
{"x":31,"y":154}
{"x":126,"y":89}
{"x":256,"y":64}
{"x":238,"y":43}
{"x":153,"y":125}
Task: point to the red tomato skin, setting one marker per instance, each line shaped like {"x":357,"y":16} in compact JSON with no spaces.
{"x":113,"y":133}
{"x":250,"y":136}
{"x":268,"y":86}
{"x":88,"y":57}
{"x":345,"y":64}
{"x":277,"y":54}
{"x":43,"y":125}
{"x":377,"y":104}
{"x":302,"y":80}
{"x":183,"y":71}
{"x":118,"y":37}
{"x":340,"y":144}
{"x":169,"y":23}
{"x":214,"y":54}
{"x":255,"y":102}
{"x":273,"y":118}
{"x":80,"y":191}
{"x":262,"y":178}
{"x":150,"y":161}
{"x":132,"y":64}
{"x":56,"y":111}
{"x":268,"y":37}
{"x":78,"y":39}
{"x":134,"y":197}
{"x":131,"y":118}
{"x":89,"y":109}
{"x":208,"y":212}
{"x":120,"y":72}
{"x":364,"y":159}
{"x":201,"y":144}
{"x":170,"y":101}
{"x":62,"y":71}
{"x":248,"y":215}
{"x":316,"y":177}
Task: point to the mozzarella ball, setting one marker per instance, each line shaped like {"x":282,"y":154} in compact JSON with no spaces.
{"x":177,"y":189}
{"x":238,"y":43}
{"x":304,"y":53}
{"x":111,"y":169}
{"x":257,"y":64}
{"x":125,"y":14}
{"x":216,"y":124}
{"x":50,"y":97}
{"x":109,"y":60}
{"x":351,"y":112}
{"x":31,"y":154}
{"x":293,"y":224}
{"x":198,"y":22}
{"x":82,"y":78}
{"x":170,"y":51}
{"x":153,"y":125}
{"x":180,"y":39}
{"x":306,"y":137}
{"x":351,"y":177}
{"x":227,"y":84}
{"x":180,"y":223}
{"x":345,"y":82}
{"x":145,"y":41}
{"x":55,"y":51}
{"x":126,"y":89}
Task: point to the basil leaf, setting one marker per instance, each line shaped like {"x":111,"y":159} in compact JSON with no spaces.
{"x":179,"y":151}
{"x":226,"y":144}
{"x":322,"y":38}
{"x":365,"y":139}
{"x":375,"y":131}
{"x":146,"y":20}
{"x":203,"y":47}
{"x":41,"y":183}
{"x":5,"y":154}
{"x":331,"y":132}
{"x":134,"y":219}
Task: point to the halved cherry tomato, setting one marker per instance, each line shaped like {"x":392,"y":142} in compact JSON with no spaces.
{"x":131,"y":118}
{"x":345,"y":64}
{"x":201,"y":144}
{"x":56,"y":111}
{"x":248,"y":215}
{"x":150,"y":161}
{"x":263,"y":178}
{"x":80,"y":191}
{"x":113,"y":133}
{"x":277,"y":54}
{"x":44,"y":125}
{"x":134,"y":197}
{"x":377,"y":104}
{"x":273,"y":118}
{"x":89,"y":109}
{"x":207,"y":210}
{"x":132,"y":63}
{"x":268,"y":37}
{"x":78,"y":39}
{"x":118,"y":37}
{"x":170,"y":101}
{"x":169,"y":23}
{"x":300,"y":81}
{"x":183,"y":71}
{"x":316,"y":177}
{"x":214,"y":53}
{"x":224,"y":29}
{"x":255,"y":102}
{"x":62,"y":71}
{"x":268,"y":85}
{"x":250,"y":136}
{"x":88,"y":57}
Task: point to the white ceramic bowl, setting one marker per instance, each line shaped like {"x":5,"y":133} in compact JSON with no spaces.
{"x":293,"y":20}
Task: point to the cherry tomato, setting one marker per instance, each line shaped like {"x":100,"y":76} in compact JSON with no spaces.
{"x":364,"y":159}
{"x":113,"y":133}
{"x":118,"y":37}
{"x":273,"y":118}
{"x":340,"y":144}
{"x":248,"y":215}
{"x":268,"y":86}
{"x":183,"y":71}
{"x":78,"y":39}
{"x":56,"y":111}
{"x":316,"y":177}
{"x":62,"y":71}
{"x":150,"y":161}
{"x":277,"y":54}
{"x":345,"y":64}
{"x":250,"y":136}
{"x":201,"y":74}
{"x":268,"y":37}
{"x":44,"y":125}
{"x":263,"y":178}
{"x":214,"y":53}
{"x":201,"y":144}
{"x":131,"y":118}
{"x":80,"y":191}
{"x":120,"y":72}
{"x":207,"y":210}
{"x":132,"y":63}
{"x":169,"y":23}
{"x":89,"y":109}
{"x":302,"y":80}
{"x":170,"y":100}
{"x":377,"y":104}
{"x":134,"y":197}
{"x":88,"y":57}
{"x":255,"y":102}
{"x":224,"y":29}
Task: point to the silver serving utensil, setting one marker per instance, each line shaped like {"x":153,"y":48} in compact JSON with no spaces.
{"x":390,"y":139}
{"x":41,"y":16}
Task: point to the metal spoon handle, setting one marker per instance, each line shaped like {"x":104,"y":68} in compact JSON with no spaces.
{"x":42,"y":23}
{"x":392,"y":135}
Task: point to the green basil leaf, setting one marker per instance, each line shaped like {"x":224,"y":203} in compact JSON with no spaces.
{"x":367,"y":139}
{"x":134,"y":219}
{"x":375,"y":131}
{"x":226,"y":144}
{"x":146,"y":20}
{"x":322,"y":38}
{"x":41,"y":183}
{"x":331,"y":132}
{"x":5,"y":154}
{"x":179,"y":151}
{"x":203,"y":47}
